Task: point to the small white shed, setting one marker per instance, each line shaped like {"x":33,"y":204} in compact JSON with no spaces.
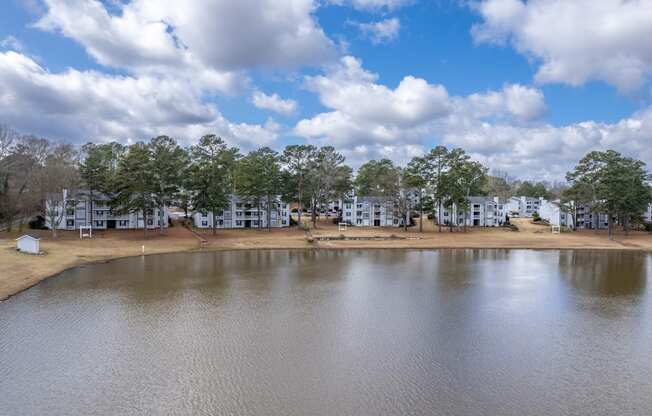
{"x":28,"y":244}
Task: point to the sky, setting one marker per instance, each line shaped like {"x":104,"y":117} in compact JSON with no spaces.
{"x":525,"y":87}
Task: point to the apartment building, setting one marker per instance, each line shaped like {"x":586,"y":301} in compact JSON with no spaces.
{"x":551,"y":211}
{"x":483,"y":211}
{"x":524,"y":206}
{"x":79,"y":212}
{"x":371,"y":211}
{"x":242,"y":213}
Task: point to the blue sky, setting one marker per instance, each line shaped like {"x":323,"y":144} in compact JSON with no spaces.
{"x":526,"y":88}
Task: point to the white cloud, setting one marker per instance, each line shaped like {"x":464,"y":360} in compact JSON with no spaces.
{"x":516,"y":101}
{"x":274,"y":103}
{"x":352,"y":90}
{"x":575,"y":41}
{"x":222,"y":35}
{"x":382,"y":31}
{"x":10,"y":42}
{"x":372,"y":4}
{"x":500,"y":128}
{"x":88,"y":105}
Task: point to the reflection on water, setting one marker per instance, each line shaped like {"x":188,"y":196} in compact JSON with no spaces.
{"x":379,"y":332}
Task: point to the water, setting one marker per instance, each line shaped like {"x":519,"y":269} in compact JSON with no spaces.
{"x":360,"y":332}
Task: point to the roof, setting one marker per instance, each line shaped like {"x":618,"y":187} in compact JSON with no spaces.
{"x":480,"y":199}
{"x":28,"y":236}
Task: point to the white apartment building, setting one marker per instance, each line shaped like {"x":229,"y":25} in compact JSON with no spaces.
{"x":483,"y":211}
{"x":79,"y":212}
{"x":242,"y":213}
{"x":371,"y":211}
{"x":524,"y":206}
{"x":552,"y":212}
{"x":648,"y":214}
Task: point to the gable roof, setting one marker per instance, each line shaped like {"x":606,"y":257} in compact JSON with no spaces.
{"x":28,"y":236}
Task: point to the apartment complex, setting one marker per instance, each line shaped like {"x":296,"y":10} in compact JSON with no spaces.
{"x":372,"y":211}
{"x":79,"y":212}
{"x":242,"y":213}
{"x":524,"y":206}
{"x":482,"y":211}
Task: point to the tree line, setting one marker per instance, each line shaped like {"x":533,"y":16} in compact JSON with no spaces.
{"x":147,"y":175}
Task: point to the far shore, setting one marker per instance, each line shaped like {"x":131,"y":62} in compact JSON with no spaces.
{"x":20,"y":271}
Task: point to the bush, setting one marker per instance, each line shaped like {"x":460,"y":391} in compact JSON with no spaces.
{"x":536,"y":217}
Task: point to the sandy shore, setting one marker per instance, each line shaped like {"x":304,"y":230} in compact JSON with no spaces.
{"x":19,"y":271}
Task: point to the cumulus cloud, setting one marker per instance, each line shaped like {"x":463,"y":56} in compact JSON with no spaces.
{"x":222,"y":35}
{"x":382,"y":31}
{"x":274,"y":103}
{"x":575,"y":41}
{"x":514,"y":101}
{"x":502,"y":129}
{"x":89,"y":105}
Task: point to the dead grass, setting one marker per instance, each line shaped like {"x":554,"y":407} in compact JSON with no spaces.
{"x":20,"y":271}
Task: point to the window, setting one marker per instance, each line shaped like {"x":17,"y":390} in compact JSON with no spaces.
{"x":348,"y":214}
{"x":204,"y":223}
{"x":70,"y":223}
{"x":359,"y":206}
{"x":150,"y":212}
{"x":123,"y":223}
{"x":204,"y":215}
{"x":221,"y":213}
{"x":238,"y":223}
{"x":99,"y":213}
{"x":99,"y":223}
{"x":150,"y":222}
{"x":238,"y":213}
{"x":70,"y":211}
{"x":347,"y":206}
{"x":221,"y":222}
{"x":446,"y":214}
{"x":358,"y":213}
{"x":285,"y":222}
{"x":238,"y":205}
{"x":358,"y":221}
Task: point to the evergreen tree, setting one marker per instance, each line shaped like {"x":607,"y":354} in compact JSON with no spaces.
{"x":135,"y":183}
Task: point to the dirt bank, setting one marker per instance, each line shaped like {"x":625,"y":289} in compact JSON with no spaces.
{"x":20,"y":271}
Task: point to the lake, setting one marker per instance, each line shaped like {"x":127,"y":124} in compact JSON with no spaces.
{"x":355,"y":332}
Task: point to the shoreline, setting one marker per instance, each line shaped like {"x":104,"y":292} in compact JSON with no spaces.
{"x":19,"y":272}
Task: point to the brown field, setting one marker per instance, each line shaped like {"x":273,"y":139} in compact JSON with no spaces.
{"x":19,"y":271}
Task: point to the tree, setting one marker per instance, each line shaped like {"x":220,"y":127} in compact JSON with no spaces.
{"x":618,"y":185}
{"x":382,"y":178}
{"x":437,"y":162}
{"x":259,"y":178}
{"x":297,"y":160}
{"x":326,"y":179}
{"x":416,"y":177}
{"x":533,"y":190}
{"x":135,"y":183}
{"x":498,"y":184}
{"x":24,"y":157}
{"x":376,"y":178}
{"x":465,"y":177}
{"x":211,"y":175}
{"x":58,"y":173}
{"x":168,"y":161}
{"x":98,"y":168}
